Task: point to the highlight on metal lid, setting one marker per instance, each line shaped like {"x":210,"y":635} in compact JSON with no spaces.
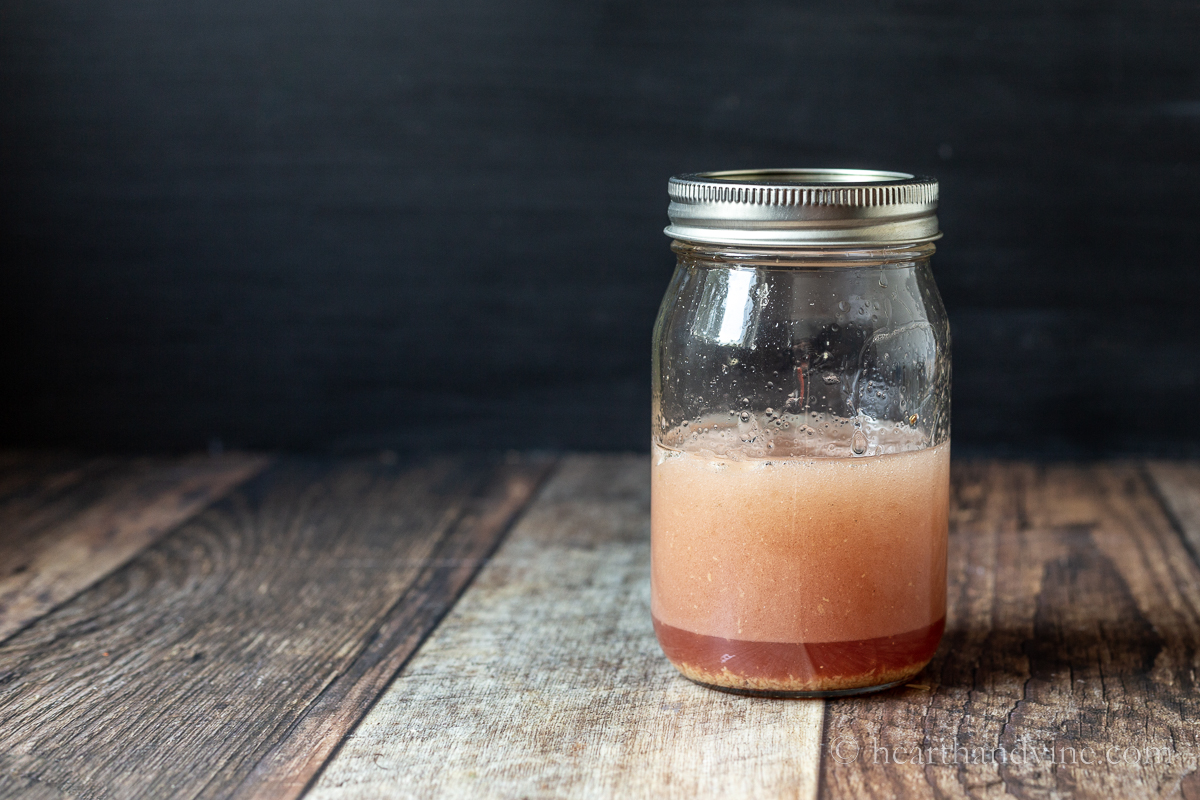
{"x":803,"y":207}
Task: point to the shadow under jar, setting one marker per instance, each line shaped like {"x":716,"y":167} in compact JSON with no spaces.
{"x":801,"y":433}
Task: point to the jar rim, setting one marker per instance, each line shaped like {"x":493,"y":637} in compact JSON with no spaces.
{"x":803,"y":207}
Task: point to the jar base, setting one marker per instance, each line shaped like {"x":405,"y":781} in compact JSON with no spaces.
{"x":810,"y":695}
{"x":800,"y":669}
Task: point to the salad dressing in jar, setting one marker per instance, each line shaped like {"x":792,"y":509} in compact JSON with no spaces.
{"x":801,"y":433}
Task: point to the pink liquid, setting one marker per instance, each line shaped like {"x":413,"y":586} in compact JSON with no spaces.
{"x":807,"y":574}
{"x":812,"y":666}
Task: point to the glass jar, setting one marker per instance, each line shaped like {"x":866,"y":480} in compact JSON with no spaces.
{"x":801,"y":433}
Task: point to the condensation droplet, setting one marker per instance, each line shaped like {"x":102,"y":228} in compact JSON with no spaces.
{"x":858,"y":443}
{"x":744,"y":416}
{"x":829,"y":378}
{"x":883,"y":281}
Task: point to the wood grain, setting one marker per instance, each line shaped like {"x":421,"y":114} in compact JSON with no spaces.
{"x":1073,"y":636}
{"x":66,"y":523}
{"x":546,"y":679}
{"x":1178,"y":484}
{"x":290,"y":765}
{"x":262,"y":627}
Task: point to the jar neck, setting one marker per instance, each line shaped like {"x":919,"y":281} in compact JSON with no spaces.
{"x":804,"y":257}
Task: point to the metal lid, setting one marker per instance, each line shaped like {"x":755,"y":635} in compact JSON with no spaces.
{"x":803,"y":207}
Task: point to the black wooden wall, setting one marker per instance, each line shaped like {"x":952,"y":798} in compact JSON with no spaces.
{"x":437,"y":223}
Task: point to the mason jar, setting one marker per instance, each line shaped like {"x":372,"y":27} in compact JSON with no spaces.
{"x":801,"y":432}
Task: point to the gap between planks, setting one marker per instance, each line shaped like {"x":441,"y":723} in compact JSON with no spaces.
{"x":1178,"y":485}
{"x":292,"y":764}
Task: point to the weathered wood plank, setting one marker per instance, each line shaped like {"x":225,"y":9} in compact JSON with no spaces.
{"x":64,"y":524}
{"x":290,"y":765}
{"x":275,"y":614}
{"x":546,"y":680}
{"x":1178,"y":484}
{"x":1073,"y":637}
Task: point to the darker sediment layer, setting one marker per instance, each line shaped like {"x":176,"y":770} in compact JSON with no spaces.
{"x":801,"y":666}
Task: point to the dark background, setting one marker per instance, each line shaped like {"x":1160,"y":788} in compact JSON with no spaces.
{"x":437,"y":223}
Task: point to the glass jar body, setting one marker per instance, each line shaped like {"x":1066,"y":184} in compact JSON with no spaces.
{"x":800,"y":475}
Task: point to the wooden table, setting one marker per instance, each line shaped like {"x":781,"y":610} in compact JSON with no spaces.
{"x":479,"y":627}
